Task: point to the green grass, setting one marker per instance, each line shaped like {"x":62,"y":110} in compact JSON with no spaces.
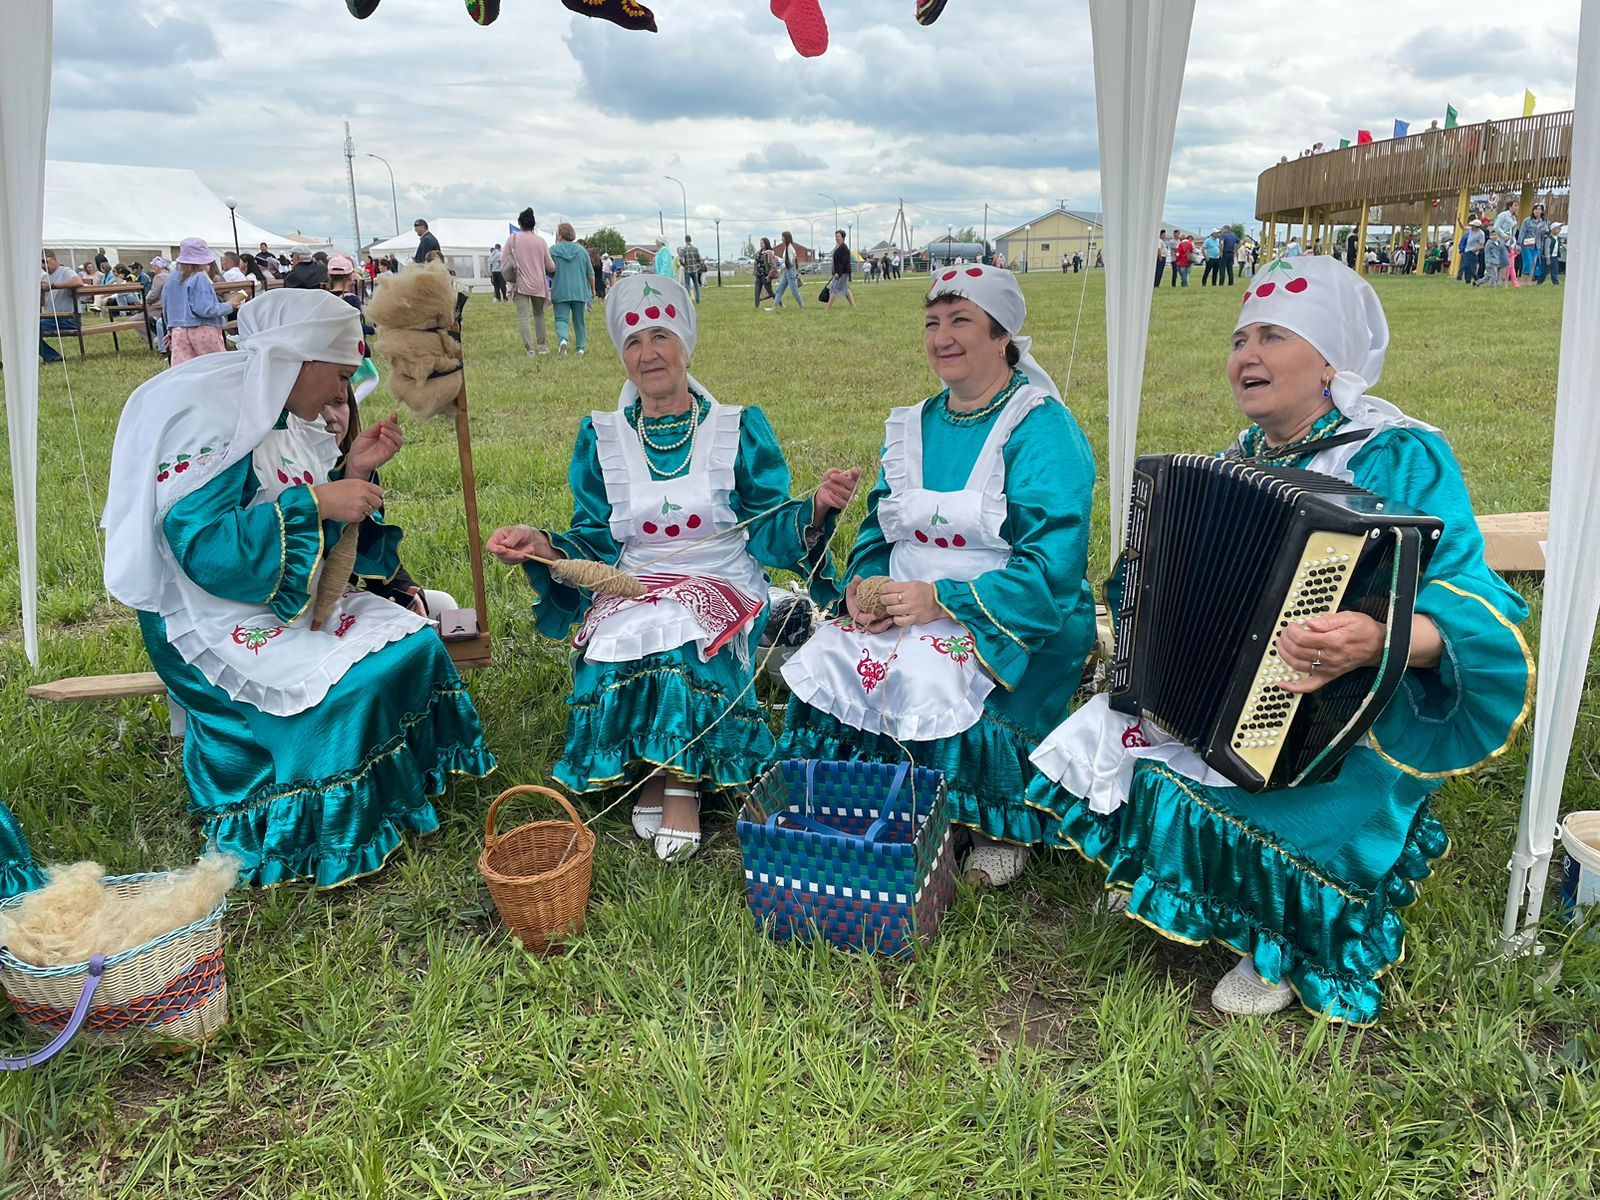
{"x":389,"y":1040}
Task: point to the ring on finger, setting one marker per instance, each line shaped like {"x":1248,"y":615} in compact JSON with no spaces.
{"x":1316,"y":664}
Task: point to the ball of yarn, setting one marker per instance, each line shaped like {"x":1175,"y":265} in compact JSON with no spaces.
{"x":869,"y":596}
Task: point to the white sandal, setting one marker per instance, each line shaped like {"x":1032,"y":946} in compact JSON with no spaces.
{"x":1242,"y":993}
{"x":646,"y":820}
{"x":994,"y":864}
{"x":676,"y":845}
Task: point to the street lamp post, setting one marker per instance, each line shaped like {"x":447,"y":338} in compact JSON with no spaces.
{"x":813,"y":235}
{"x":825,"y":196}
{"x":393,"y":199}
{"x":1027,"y":247}
{"x":717,"y":221}
{"x":685,"y":192}
{"x":949,"y":244}
{"x":233,"y":204}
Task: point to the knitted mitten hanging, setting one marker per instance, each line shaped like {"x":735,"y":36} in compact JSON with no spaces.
{"x":626,"y":13}
{"x":361,"y":9}
{"x":808,"y":29}
{"x":484,"y":12}
{"x":928,"y":11}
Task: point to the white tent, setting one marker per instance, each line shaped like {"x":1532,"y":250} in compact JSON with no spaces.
{"x":1135,"y":44}
{"x":139,"y":211}
{"x":465,"y":243}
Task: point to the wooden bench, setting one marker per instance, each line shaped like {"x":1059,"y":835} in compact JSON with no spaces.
{"x":1512,"y":542}
{"x":117,"y":323}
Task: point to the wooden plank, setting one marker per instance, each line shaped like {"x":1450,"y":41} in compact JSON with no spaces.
{"x":98,"y":687}
{"x":470,"y":654}
{"x":1511,"y":541}
{"x":128,"y":326}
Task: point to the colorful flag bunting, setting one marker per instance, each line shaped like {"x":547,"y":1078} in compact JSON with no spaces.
{"x":1527,"y":103}
{"x":1401,"y":128}
{"x":1449,"y":116}
{"x":1344,"y":143}
{"x":1363,"y":137}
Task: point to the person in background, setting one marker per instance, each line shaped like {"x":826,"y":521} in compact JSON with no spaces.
{"x":58,"y":315}
{"x":426,"y":242}
{"x":1555,"y":251}
{"x":253,"y":268}
{"x":528,"y":256}
{"x":496,"y":276}
{"x":1185,"y":259}
{"x":571,"y":289}
{"x":1161,"y":257}
{"x":232,"y":271}
{"x":763,"y":271}
{"x":194,"y":314}
{"x":788,"y":256}
{"x":154,"y":313}
{"x":839,"y":285}
{"x":1230,"y":250}
{"x":269,"y":261}
{"x":1534,"y":233}
{"x":306,"y":272}
{"x":692,"y":264}
{"x":344,"y":281}
{"x":1212,"y":248}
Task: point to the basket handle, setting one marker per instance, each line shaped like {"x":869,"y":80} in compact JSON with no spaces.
{"x":491,"y":838}
{"x":80,"y":1014}
{"x":874,"y":831}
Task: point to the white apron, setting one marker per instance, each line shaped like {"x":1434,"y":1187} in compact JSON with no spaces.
{"x":923,"y":682}
{"x":710,"y":590}
{"x":256,"y":658}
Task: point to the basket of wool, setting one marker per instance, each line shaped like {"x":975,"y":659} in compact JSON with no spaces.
{"x":123,"y":958}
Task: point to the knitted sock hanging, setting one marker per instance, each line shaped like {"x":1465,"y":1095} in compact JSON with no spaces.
{"x":361,"y":9}
{"x":626,"y":13}
{"x":928,"y":11}
{"x":808,"y":28}
{"x":484,"y":12}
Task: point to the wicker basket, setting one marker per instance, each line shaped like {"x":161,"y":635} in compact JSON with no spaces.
{"x":539,"y":873}
{"x":169,"y":991}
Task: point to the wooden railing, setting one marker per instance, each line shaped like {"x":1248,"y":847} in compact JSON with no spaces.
{"x":1495,"y":156}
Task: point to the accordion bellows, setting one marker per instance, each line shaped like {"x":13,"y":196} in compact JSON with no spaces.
{"x":1222,"y":556}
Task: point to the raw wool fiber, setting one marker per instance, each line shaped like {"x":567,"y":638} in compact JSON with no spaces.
{"x":413,"y":312}
{"x":75,"y":916}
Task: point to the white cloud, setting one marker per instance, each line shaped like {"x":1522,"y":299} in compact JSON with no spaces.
{"x":994,"y":104}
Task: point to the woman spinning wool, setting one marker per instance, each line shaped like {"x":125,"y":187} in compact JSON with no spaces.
{"x":981,"y":517}
{"x":691,"y":496}
{"x":309,"y":750}
{"x":1307,"y":885}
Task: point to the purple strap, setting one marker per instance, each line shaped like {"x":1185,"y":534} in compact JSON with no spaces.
{"x":80,"y":1013}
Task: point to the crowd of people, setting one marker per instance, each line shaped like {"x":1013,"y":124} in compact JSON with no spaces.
{"x":314,"y":748}
{"x":1221,"y":253}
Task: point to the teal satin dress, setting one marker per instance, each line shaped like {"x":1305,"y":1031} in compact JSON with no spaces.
{"x":625,"y":718}
{"x":1311,"y":884}
{"x":1032,"y":620}
{"x":324,"y":794}
{"x":18,"y":873}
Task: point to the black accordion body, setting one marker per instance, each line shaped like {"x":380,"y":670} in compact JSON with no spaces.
{"x":1221,"y":556}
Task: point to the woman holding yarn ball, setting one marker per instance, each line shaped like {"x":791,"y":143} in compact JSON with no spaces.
{"x":691,"y":497}
{"x":969,"y":615}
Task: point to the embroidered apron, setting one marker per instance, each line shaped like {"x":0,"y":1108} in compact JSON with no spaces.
{"x":281,"y":667}
{"x":923,"y":682}
{"x":710,"y":590}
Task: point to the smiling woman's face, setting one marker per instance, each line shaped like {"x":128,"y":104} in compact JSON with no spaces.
{"x":1275,"y":373}
{"x":655,"y":362}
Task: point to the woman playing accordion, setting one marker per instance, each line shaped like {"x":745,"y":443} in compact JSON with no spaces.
{"x":1307,"y":885}
{"x":693,"y":497}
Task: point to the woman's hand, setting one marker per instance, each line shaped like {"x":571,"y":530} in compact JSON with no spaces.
{"x":834,"y":494}
{"x":374,"y":446}
{"x":516,"y":544}
{"x":1324,"y":648}
{"x":867,"y":624}
{"x":348,"y":501}
{"x":911,"y":603}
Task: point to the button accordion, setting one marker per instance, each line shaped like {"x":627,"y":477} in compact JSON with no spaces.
{"x":1221,"y":557}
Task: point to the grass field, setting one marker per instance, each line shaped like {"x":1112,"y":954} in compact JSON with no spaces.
{"x":389,"y":1040}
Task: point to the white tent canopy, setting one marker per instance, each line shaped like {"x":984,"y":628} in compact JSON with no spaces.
{"x":465,"y":243}
{"x":90,"y":206}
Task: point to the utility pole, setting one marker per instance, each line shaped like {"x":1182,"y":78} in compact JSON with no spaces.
{"x":985,"y":231}
{"x":661,"y":222}
{"x":718,"y":222}
{"x":350,"y":172}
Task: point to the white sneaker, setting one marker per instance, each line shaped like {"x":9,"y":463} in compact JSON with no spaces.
{"x":563,"y":347}
{"x":994,"y":864}
{"x":1241,"y":993}
{"x":646,"y":821}
{"x":580,"y":353}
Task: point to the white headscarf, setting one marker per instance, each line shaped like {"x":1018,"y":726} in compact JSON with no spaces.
{"x":190,"y":423}
{"x":995,"y":290}
{"x":650,"y":302}
{"x":1337,"y":311}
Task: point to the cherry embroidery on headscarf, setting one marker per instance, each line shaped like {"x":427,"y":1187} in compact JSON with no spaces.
{"x":1266,"y":289}
{"x":1246,"y":299}
{"x":671,"y":311}
{"x":1296,"y":285}
{"x":652,"y":312}
{"x":947,"y":276}
{"x":631,"y":318}
{"x":975,"y":272}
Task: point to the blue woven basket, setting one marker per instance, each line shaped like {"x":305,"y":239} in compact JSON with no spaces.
{"x":857,"y":853}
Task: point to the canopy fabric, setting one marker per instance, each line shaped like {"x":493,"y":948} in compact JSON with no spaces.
{"x":89,"y":205}
{"x":462,"y":235}
{"x":24,"y":115}
{"x":1572,"y":558}
{"x":1139,"y":50}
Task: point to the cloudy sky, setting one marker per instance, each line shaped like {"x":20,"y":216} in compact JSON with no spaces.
{"x":994,"y":104}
